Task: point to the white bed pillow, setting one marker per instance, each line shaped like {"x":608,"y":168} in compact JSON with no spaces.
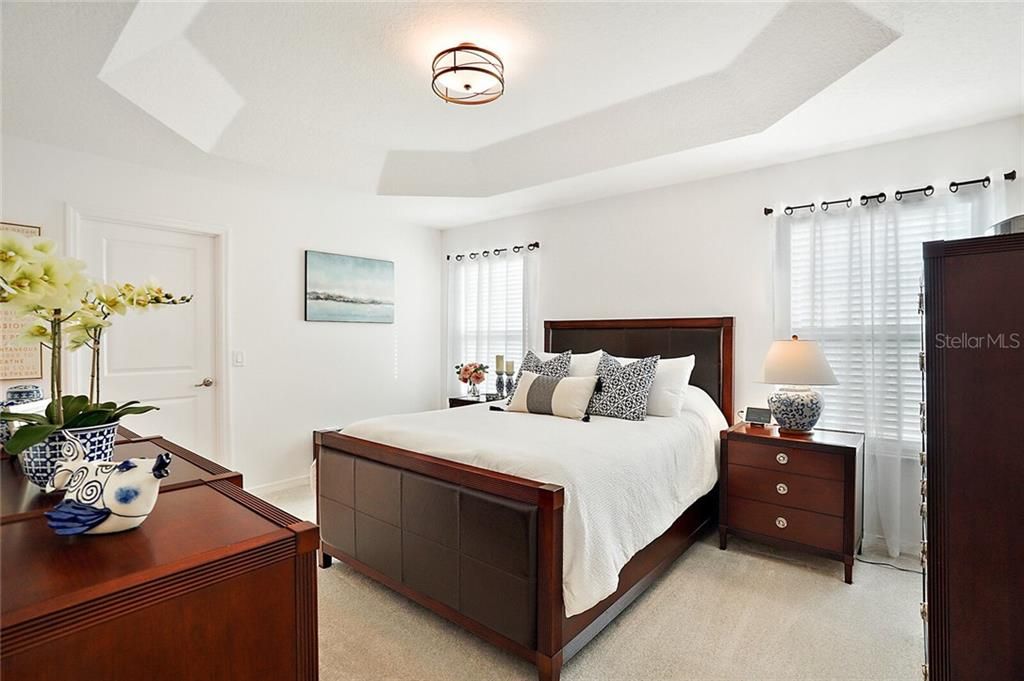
{"x":580,"y":365}
{"x":696,"y":399}
{"x":673,"y":375}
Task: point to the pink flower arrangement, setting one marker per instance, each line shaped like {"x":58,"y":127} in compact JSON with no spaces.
{"x":474,"y":373}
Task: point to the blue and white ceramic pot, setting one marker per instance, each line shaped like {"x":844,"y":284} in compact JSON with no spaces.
{"x":796,"y":409}
{"x":5,"y":431}
{"x":19,"y":394}
{"x":41,"y":460}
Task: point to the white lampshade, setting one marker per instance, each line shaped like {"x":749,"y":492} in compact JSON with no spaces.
{"x":797,"y":362}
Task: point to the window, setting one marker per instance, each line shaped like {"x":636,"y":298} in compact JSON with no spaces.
{"x":854,"y":284}
{"x":488,"y":311}
{"x":850,"y":278}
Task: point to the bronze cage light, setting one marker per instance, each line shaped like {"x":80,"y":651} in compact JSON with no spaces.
{"x":468,"y":74}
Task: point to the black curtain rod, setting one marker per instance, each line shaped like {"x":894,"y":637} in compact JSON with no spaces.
{"x":826,"y":204}
{"x":497,"y":251}
{"x":880,"y":197}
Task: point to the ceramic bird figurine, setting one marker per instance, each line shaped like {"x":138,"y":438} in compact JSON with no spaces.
{"x":103,"y":497}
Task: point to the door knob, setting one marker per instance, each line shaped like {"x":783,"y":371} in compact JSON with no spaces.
{"x":207,"y":382}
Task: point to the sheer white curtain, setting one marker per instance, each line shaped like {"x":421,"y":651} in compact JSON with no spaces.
{"x":850,"y":278}
{"x":491,"y":310}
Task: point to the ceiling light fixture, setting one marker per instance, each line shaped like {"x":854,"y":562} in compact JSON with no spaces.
{"x":468,"y":74}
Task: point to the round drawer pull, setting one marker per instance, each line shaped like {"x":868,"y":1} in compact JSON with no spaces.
{"x":781,"y":523}
{"x":782,"y":488}
{"x":782,"y":458}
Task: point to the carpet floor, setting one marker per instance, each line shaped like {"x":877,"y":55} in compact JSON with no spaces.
{"x":749,"y":613}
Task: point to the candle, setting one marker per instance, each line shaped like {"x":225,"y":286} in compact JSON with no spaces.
{"x":499,"y":364}
{"x":510,"y":367}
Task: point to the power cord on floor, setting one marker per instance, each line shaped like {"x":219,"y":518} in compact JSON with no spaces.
{"x":889,"y":565}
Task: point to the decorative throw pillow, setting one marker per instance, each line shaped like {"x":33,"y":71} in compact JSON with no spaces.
{"x":556,"y":367}
{"x":565,"y":397}
{"x":624,"y":389}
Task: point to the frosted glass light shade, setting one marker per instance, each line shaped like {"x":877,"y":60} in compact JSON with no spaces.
{"x":467,"y":81}
{"x":467,"y":74}
{"x":797,"y":362}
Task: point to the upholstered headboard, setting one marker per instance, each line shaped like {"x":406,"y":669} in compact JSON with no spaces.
{"x":709,"y":338}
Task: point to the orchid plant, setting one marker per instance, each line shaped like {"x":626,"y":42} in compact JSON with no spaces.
{"x":66,"y":310}
{"x":99,"y":304}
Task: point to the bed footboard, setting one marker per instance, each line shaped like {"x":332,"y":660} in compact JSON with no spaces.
{"x":480,"y":548}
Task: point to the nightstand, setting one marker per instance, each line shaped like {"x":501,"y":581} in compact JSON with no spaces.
{"x":801,"y":492}
{"x":466,"y":400}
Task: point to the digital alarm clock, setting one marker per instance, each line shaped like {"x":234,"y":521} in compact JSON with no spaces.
{"x":758,"y":416}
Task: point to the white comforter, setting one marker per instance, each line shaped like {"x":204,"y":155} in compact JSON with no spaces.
{"x":625,"y":482}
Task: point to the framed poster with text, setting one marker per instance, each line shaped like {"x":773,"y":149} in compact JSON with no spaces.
{"x":17,"y":362}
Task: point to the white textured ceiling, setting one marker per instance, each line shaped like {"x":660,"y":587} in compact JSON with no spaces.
{"x":327,"y":91}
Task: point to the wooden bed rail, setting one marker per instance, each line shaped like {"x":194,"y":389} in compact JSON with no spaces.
{"x":548,"y":499}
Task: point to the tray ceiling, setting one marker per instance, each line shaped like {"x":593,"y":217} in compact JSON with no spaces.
{"x":601,"y":97}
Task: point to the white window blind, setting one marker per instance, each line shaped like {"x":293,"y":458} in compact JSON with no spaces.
{"x":854,"y":283}
{"x":488,"y":313}
{"x":850,"y":278}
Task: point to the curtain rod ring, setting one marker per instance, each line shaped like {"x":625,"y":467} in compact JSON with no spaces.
{"x":472,"y":256}
{"x":459,"y":257}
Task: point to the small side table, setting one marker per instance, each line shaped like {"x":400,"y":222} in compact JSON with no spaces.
{"x":466,"y":400}
{"x":802,"y":492}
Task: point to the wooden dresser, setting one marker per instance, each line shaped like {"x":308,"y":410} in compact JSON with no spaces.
{"x":216,"y":584}
{"x":796,"y":491}
{"x":974,"y":350}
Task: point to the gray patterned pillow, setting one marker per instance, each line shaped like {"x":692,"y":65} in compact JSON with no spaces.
{"x":624,"y":389}
{"x":556,"y":367}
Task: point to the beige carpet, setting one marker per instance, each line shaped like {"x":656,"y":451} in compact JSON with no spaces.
{"x":749,"y":613}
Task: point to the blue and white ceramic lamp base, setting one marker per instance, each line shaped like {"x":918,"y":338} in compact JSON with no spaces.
{"x":796,"y":408}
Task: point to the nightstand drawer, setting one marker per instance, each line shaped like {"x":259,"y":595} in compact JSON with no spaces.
{"x":782,"y":459}
{"x":803,"y":527}
{"x":786,"y":489}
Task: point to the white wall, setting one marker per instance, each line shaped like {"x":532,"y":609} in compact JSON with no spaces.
{"x":703,"y":248}
{"x":298,"y":376}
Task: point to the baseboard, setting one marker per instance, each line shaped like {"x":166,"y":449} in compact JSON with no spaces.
{"x":279,"y":486}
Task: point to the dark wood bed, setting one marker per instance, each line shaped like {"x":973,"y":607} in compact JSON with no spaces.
{"x":484,"y":549}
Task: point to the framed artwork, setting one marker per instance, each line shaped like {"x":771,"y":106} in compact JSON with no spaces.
{"x":17,"y":362}
{"x":345,"y":288}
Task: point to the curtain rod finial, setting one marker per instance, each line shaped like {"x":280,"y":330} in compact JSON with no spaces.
{"x":768,"y":211}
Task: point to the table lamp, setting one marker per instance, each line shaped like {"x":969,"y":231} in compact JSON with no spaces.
{"x":795,"y":365}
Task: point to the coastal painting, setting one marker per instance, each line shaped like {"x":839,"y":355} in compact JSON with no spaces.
{"x":344,"y":288}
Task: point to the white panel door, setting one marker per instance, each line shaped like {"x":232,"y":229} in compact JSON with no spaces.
{"x":164,"y":356}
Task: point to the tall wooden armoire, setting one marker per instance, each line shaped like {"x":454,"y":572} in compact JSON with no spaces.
{"x":974,"y":458}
